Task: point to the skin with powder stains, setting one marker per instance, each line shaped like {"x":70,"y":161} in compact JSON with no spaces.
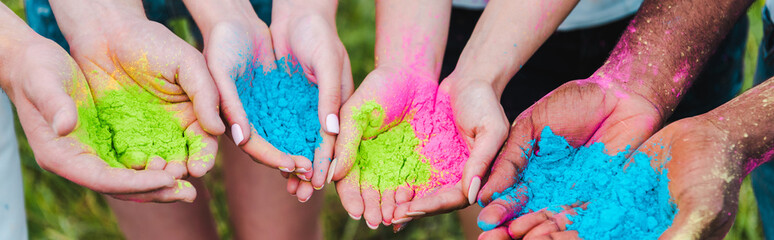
{"x":142,"y":60}
{"x":657,"y":58}
{"x":48,"y":90}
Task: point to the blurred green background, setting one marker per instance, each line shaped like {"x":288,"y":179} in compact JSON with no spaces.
{"x":60,"y":209}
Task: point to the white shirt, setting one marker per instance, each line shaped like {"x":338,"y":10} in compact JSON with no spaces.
{"x":13,"y":222}
{"x":588,"y":13}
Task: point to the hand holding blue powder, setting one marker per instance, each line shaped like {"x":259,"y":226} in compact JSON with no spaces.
{"x":281,"y":105}
{"x":625,"y":199}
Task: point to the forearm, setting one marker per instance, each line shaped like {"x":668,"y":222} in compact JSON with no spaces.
{"x":665,"y":46}
{"x":506,"y":36}
{"x":326,"y":8}
{"x":208,"y":13}
{"x":748,"y":122}
{"x":412,"y":34}
{"x":82,"y":17}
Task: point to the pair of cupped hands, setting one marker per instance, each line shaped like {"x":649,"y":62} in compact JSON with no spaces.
{"x":47,"y":87}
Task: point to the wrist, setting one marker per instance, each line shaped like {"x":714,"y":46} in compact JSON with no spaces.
{"x":287,"y":8}
{"x":495,"y":75}
{"x":209,"y":13}
{"x":84,"y":17}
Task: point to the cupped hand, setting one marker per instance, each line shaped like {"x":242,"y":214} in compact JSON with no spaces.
{"x":306,"y":30}
{"x":706,"y":205}
{"x":53,"y":102}
{"x":130,"y":63}
{"x":597,"y":109}
{"x":483,"y":125}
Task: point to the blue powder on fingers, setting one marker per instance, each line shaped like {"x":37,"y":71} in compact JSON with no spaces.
{"x":626,"y":199}
{"x":281,"y":105}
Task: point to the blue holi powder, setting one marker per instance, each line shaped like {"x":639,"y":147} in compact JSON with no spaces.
{"x":281,"y":105}
{"x":625,"y":200}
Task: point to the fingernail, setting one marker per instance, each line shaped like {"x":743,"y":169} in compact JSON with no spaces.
{"x":353,"y":217}
{"x":475,"y":184}
{"x":302,"y":176}
{"x":304,"y":200}
{"x":385,"y":223}
{"x":318,"y":188}
{"x":373,"y":227}
{"x":398,"y":228}
{"x":287,"y":170}
{"x":236,"y":133}
{"x":402,"y":220}
{"x":331,"y":169}
{"x":301,"y":170}
{"x":332,"y":123}
{"x":415,"y":214}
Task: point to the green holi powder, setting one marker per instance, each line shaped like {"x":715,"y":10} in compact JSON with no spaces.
{"x":388,"y":159}
{"x":129,"y":126}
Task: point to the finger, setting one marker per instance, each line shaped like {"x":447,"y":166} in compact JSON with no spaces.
{"x":495,"y":234}
{"x":371,"y":202}
{"x":510,"y":162}
{"x":182,"y":191}
{"x":446,"y":200}
{"x":403,"y":194}
{"x":564,"y":235}
{"x":197,"y":82}
{"x":522,"y":225}
{"x":304,"y":168}
{"x":322,"y":162}
{"x":46,"y":92}
{"x":484,"y":150}
{"x":388,"y":206}
{"x":349,"y":193}
{"x":263,"y":152}
{"x":305,"y":191}
{"x":501,"y":210}
{"x":155,"y":163}
{"x":347,"y":85}
{"x":293,"y":184}
{"x":326,"y":67}
{"x":554,"y":224}
{"x":347,"y":143}
{"x":202,"y":148}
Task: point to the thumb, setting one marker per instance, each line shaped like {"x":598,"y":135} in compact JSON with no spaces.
{"x":46,"y":91}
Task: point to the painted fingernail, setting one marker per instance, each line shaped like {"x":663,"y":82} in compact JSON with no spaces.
{"x":236,"y":133}
{"x":415,"y":214}
{"x":318,"y":188}
{"x":475,"y":185}
{"x":304,"y":200}
{"x":398,"y":228}
{"x":287,"y":170}
{"x":331,"y":169}
{"x":332,"y":123}
{"x":385,"y":223}
{"x":353,"y":217}
{"x":373,"y":227}
{"x":402,"y":220}
{"x":302,"y":176}
{"x":301,"y":170}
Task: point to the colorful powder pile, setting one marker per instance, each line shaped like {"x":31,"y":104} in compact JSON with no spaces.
{"x":626,"y":200}
{"x":281,"y":105}
{"x":424,"y":149}
{"x":129,"y":126}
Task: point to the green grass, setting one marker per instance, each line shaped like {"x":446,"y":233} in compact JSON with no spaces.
{"x":60,"y":209}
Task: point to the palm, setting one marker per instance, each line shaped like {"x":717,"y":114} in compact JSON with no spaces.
{"x":143,"y":61}
{"x":707,"y":204}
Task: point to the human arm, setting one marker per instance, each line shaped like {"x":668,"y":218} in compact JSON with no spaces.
{"x":408,"y":60}
{"x":125,"y":55}
{"x":50,"y":94}
{"x":629,"y":97}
